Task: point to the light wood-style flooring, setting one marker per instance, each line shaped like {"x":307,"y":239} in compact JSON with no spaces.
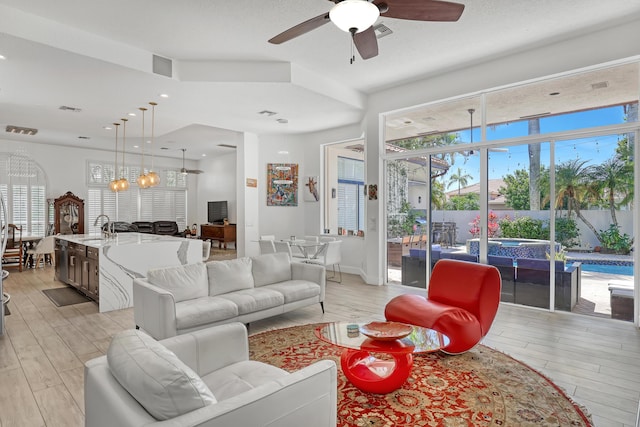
{"x":597,"y":361}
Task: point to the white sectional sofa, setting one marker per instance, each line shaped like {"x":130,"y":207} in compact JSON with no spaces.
{"x":176,"y":300}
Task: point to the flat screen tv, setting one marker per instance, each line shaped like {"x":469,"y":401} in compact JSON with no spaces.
{"x":217,"y":212}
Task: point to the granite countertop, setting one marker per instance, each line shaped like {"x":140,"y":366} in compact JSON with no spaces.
{"x":120,"y":239}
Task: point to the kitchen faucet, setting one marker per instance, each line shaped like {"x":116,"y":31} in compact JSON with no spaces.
{"x":108,"y":232}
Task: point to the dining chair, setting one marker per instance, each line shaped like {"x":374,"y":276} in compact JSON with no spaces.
{"x":46,"y":246}
{"x":13,"y":254}
{"x":285,"y":247}
{"x":324,"y":239}
{"x":311,"y":239}
{"x":266,"y":246}
{"x":206,"y":250}
{"x":330,"y":255}
{"x":268,"y":237}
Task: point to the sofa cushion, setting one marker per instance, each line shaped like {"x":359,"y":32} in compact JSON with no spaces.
{"x":296,"y":290}
{"x":271,"y":268}
{"x":241,"y":377}
{"x":185,"y":282}
{"x":202,"y":311}
{"x":229,"y":275}
{"x":256,"y":299}
{"x":155,"y":377}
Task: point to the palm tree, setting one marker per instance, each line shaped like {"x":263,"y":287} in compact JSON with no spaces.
{"x":574,"y":188}
{"x":438,"y":198}
{"x":611,"y":178}
{"x":459,"y":178}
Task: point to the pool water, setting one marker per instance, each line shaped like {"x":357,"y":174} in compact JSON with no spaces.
{"x":626,"y":270}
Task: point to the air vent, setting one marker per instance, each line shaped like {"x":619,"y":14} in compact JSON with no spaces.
{"x":21,"y":130}
{"x":227,"y":146}
{"x":84,"y":137}
{"x":382,"y":30}
{"x":72,"y":109}
{"x":599,"y":85}
{"x":162,"y":66}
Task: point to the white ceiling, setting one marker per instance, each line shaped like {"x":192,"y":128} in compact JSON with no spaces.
{"x":96,"y":56}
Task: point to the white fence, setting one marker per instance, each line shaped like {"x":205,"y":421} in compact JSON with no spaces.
{"x":600,"y":219}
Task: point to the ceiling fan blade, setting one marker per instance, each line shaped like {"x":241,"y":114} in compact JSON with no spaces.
{"x":301,"y":29}
{"x":421,"y":10}
{"x":366,"y":43}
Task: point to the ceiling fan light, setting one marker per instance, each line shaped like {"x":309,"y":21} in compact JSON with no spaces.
{"x":358,"y":14}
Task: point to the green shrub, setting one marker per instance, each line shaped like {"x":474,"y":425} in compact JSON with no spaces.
{"x":567,"y":232}
{"x":524,"y":228}
{"x":612,"y":240}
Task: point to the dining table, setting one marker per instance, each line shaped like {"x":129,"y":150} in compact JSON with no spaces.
{"x":29,"y":241}
{"x":308,"y":249}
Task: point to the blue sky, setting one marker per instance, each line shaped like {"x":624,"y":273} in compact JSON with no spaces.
{"x":594,"y":150}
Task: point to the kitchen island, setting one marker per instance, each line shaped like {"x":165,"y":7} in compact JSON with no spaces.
{"x":103,"y":268}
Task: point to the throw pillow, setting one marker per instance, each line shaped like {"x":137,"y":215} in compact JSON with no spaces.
{"x":185,"y":282}
{"x":229,"y":275}
{"x":271,"y":268}
{"x":155,"y":377}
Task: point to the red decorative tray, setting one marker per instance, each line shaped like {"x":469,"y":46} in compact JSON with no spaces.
{"x":386,"y":331}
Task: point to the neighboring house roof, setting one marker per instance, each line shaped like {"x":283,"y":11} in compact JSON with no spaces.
{"x":494,"y":190}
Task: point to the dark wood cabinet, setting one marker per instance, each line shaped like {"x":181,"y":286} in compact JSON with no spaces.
{"x":69,"y":214}
{"x":80,"y":268}
{"x":223,"y":234}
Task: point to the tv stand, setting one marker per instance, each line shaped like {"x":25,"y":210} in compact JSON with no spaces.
{"x":221,"y":233}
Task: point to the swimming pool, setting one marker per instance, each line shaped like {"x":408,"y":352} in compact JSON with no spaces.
{"x":626,"y":270}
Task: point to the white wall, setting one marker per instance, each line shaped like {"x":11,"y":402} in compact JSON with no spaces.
{"x":217,"y":183}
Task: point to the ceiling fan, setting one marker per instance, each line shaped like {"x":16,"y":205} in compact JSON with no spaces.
{"x":185,"y":171}
{"x":358,"y":16}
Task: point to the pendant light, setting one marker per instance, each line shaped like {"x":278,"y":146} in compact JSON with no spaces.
{"x":152,"y":178}
{"x":143,"y":181}
{"x":123,"y":183}
{"x":113,"y":185}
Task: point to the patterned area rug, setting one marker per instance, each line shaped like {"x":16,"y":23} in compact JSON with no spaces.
{"x":482,"y":387}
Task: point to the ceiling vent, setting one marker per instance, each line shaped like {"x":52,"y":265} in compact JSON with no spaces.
{"x":599,"y":85}
{"x":227,"y":146}
{"x":382,"y":30}
{"x":21,"y":130}
{"x":72,"y":109}
{"x":162,"y":66}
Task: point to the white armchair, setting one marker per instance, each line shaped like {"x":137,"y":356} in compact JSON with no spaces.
{"x":204,"y":378}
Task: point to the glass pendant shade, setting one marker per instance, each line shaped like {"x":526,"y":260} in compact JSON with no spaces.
{"x":123,"y":183}
{"x":143,"y":181}
{"x":358,"y":14}
{"x":113,"y":185}
{"x":153,"y":179}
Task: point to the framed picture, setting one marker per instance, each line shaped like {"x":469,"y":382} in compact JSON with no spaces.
{"x":311,"y":189}
{"x":282,"y":184}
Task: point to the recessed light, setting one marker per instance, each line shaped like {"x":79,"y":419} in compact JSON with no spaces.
{"x":554,"y":93}
{"x":136,"y":146}
{"x":283,"y":121}
{"x":2,"y":57}
{"x":204,"y":155}
{"x":164,"y":95}
{"x":84,"y":137}
{"x":132,"y":114}
{"x":267,"y":113}
{"x":106,"y":127}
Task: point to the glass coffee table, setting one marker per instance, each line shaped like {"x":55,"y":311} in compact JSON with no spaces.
{"x":378,"y":356}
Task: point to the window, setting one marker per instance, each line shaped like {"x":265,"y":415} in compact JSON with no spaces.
{"x":168,"y":201}
{"x":350,"y":193}
{"x":24,"y":194}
